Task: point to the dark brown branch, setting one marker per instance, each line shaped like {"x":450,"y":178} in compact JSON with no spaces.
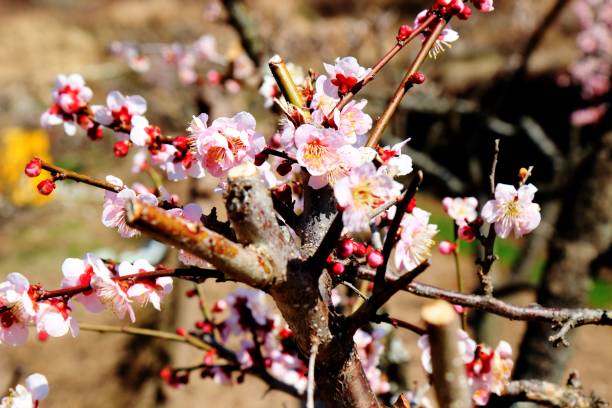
{"x":246,"y":27}
{"x":402,"y":205}
{"x":395,"y":322}
{"x":581,"y":316}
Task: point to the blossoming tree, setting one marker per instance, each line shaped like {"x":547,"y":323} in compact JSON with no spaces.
{"x":312,"y":208}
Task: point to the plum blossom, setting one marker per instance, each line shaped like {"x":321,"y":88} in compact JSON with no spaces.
{"x":362,"y":191}
{"x":345,"y":73}
{"x":238,"y":303}
{"x":317,"y":148}
{"x":352,"y":122}
{"x":512,"y":211}
{"x":120,"y":112}
{"x":467,"y":349}
{"x":394,"y":162}
{"x":79,"y":272}
{"x":447,"y":36}
{"x":324,"y":100}
{"x":461,"y":209}
{"x":70,"y":96}
{"x":227,"y":142}
{"x":416,"y":241}
{"x":490,"y":371}
{"x":113,"y":213}
{"x":179,"y":165}
{"x":113,"y":295}
{"x":21,"y":309}
{"x":36,"y":389}
{"x":145,"y":291}
{"x":54,"y":318}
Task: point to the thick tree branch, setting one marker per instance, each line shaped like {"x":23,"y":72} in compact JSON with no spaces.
{"x":235,"y":261}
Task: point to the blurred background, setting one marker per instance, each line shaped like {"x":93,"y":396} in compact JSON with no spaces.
{"x":534,"y":74}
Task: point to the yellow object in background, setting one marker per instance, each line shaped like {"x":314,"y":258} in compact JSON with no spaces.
{"x":17,"y":147}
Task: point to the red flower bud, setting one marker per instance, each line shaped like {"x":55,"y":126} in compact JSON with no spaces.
{"x":337,"y":269}
{"x":375,"y":259}
{"x":33,"y":168}
{"x":465,"y":13}
{"x":447,"y":247}
{"x":275,"y":141}
{"x":346,"y":248}
{"x":46,"y":187}
{"x":284,"y":168}
{"x":43,"y":335}
{"x":190,"y":293}
{"x":359,"y":249}
{"x":403,"y":33}
{"x":181,"y":143}
{"x":457,"y":6}
{"x":95,"y":132}
{"x":181,"y":331}
{"x":411,"y":205}
{"x":121,"y":148}
{"x":417,"y":78}
{"x":165,"y":374}
{"x":260,"y":158}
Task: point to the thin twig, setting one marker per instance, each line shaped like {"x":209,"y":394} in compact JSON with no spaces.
{"x":488,"y":243}
{"x":385,"y":118}
{"x":59,"y":173}
{"x":395,"y":322}
{"x":138,"y":331}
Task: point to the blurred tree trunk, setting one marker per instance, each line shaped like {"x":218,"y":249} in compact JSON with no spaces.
{"x":583,"y":232}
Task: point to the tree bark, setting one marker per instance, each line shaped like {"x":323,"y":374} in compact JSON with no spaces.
{"x":583,"y":232}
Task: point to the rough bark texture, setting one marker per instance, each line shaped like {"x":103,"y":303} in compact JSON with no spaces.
{"x":583,"y":232}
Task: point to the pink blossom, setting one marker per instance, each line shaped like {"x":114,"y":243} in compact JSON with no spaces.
{"x":317,"y":148}
{"x":227,"y":142}
{"x":113,"y":214}
{"x":352,"y":122}
{"x":113,"y":296}
{"x":54,"y":318}
{"x":485,"y":6}
{"x":36,"y":389}
{"x":348,"y":158}
{"x":467,"y":348}
{"x":512,"y":211}
{"x":416,"y":241}
{"x":345,"y":73}
{"x":120,"y":111}
{"x":324,"y":100}
{"x":370,"y":348}
{"x":489,"y":372}
{"x":179,"y":165}
{"x":143,"y":291}
{"x":79,"y":272}
{"x":447,"y":247}
{"x":14,"y":322}
{"x":69,"y":95}
{"x":362,"y":191}
{"x":461,"y":209}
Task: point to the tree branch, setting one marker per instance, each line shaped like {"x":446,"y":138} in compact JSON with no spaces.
{"x":235,"y":261}
{"x":60,"y":173}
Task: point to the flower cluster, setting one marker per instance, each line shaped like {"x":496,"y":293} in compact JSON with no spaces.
{"x":488,"y":371}
{"x":35,"y":390}
{"x":90,"y":281}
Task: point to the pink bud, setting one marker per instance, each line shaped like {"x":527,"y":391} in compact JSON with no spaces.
{"x":457,"y":6}
{"x":275,"y":141}
{"x":459,"y":309}
{"x":190,"y":293}
{"x":34,"y":167}
{"x":219,"y":306}
{"x":359,"y":249}
{"x":46,"y":187}
{"x":375,"y":259}
{"x":403,"y":33}
{"x":213,"y":77}
{"x":95,"y":132}
{"x":447,"y":247}
{"x":284,"y":168}
{"x":346,"y":248}
{"x":260,"y":158}
{"x":43,"y":335}
{"x":181,"y":331}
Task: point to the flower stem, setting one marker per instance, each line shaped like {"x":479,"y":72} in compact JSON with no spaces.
{"x":59,"y":173}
